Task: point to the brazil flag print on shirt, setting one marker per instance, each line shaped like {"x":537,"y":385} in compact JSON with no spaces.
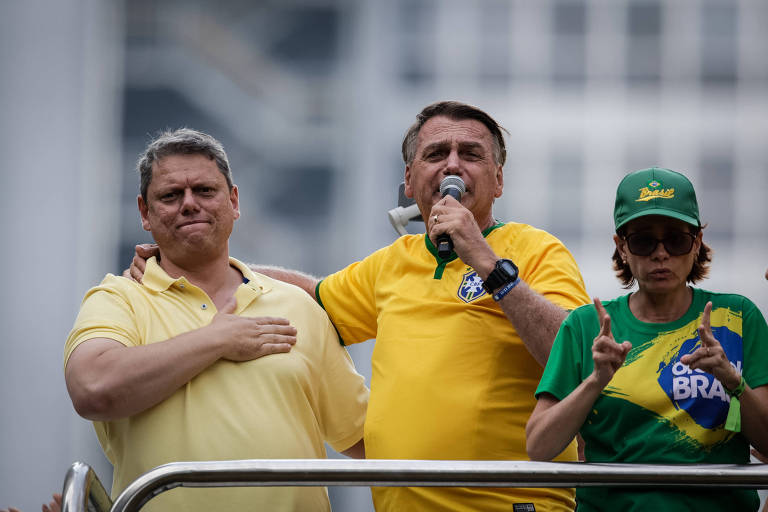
{"x":656,"y":409}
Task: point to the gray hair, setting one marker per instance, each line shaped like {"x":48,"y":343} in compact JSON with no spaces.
{"x":458,"y":112}
{"x":183,"y":141}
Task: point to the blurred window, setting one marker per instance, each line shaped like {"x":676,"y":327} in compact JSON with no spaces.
{"x":307,"y":37}
{"x":641,"y":154}
{"x":643,"y":63}
{"x":715,"y":189}
{"x":569,"y":43}
{"x":416,"y":38}
{"x":495,"y":44}
{"x":718,"y":43}
{"x":302,"y":193}
{"x":566,"y":184}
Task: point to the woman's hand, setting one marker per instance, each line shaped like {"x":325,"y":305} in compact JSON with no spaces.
{"x":606,"y":353}
{"x":710,"y":356}
{"x":554,"y":423}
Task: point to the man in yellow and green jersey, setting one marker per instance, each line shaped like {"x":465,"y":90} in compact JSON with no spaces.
{"x":460,"y":341}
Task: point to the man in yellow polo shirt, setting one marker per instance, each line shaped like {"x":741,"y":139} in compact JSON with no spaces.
{"x":207,"y":360}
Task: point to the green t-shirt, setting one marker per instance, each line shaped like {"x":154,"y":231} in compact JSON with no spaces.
{"x":656,"y":409}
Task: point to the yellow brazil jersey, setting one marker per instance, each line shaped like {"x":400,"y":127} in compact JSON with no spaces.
{"x":451,"y":377}
{"x":281,"y":406}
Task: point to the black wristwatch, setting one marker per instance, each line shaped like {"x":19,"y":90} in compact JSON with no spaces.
{"x":503,"y":273}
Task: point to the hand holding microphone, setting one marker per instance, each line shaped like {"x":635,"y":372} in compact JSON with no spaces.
{"x":454,"y":187}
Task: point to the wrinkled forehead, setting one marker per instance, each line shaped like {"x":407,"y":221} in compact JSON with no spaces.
{"x":185,"y":168}
{"x":441,"y":129}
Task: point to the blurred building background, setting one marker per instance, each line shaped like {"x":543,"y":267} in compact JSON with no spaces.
{"x":311,"y":99}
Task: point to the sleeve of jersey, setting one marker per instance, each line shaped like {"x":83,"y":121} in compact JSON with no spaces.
{"x":563,"y":372}
{"x":104,"y":313}
{"x":343,"y":396}
{"x":755,"y":334}
{"x":549,"y":268}
{"x":349,"y":298}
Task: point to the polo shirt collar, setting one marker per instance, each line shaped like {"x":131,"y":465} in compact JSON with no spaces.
{"x":255,"y":281}
{"x":155,"y":278}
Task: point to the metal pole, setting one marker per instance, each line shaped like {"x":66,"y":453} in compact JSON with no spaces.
{"x":397,"y":473}
{"x":81,"y":486}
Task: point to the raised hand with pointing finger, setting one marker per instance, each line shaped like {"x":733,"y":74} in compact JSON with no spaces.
{"x":556,"y":420}
{"x":606,"y":353}
{"x":710,"y":356}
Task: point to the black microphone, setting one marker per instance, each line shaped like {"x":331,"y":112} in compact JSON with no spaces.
{"x":450,"y":186}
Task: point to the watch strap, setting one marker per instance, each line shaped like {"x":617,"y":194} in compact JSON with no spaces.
{"x":505,"y":290}
{"x":500,"y":276}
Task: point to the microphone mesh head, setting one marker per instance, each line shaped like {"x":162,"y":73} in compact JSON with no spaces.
{"x":452,"y":182}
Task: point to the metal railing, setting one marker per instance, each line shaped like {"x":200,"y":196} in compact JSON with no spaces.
{"x":399,"y":473}
{"x":83,"y":491}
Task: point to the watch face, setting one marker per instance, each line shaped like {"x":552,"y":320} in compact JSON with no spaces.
{"x":504,"y":272}
{"x":508,"y":267}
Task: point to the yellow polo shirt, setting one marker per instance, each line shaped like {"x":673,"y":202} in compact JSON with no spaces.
{"x":451,"y":379}
{"x":275,"y":407}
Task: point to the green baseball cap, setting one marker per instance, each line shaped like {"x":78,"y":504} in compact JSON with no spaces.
{"x":655,"y":191}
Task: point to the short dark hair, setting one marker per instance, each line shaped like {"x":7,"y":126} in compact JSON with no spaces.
{"x":456,"y":111}
{"x":699,"y":271}
{"x":183,"y":141}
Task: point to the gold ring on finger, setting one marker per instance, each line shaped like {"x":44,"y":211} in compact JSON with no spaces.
{"x":435,"y":219}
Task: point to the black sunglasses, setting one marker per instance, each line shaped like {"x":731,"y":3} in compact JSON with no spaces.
{"x":675,"y":243}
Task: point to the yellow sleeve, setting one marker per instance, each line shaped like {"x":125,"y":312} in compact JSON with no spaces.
{"x":343,"y":396}
{"x":104,"y":313}
{"x":549,"y":268}
{"x":349,"y":298}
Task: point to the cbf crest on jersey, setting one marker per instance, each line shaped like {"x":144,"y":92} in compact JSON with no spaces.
{"x":471,"y":287}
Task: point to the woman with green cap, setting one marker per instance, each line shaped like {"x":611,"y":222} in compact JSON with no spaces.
{"x":666,"y":374}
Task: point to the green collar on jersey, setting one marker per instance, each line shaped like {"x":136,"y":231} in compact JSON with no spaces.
{"x":441,"y":263}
